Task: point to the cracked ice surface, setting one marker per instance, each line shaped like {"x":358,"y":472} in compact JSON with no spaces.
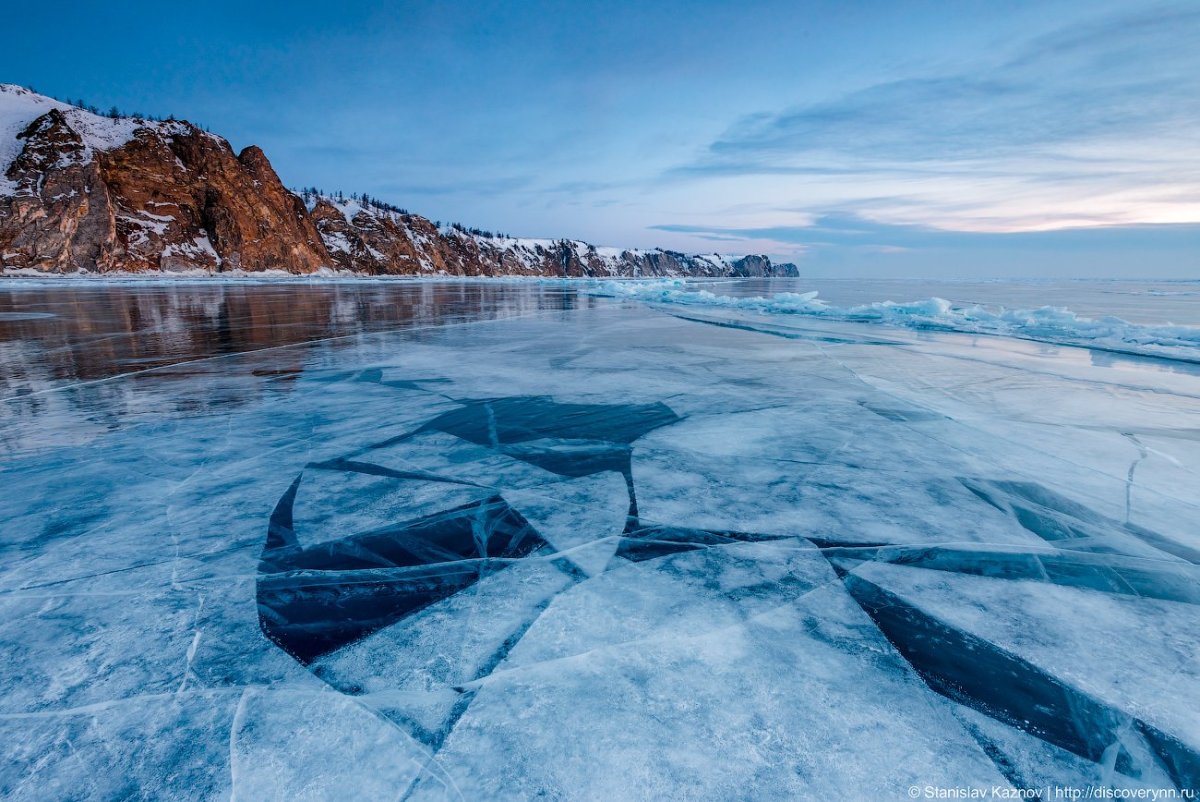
{"x":600,"y":550}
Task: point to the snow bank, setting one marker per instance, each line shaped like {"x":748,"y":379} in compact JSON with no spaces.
{"x":1048,"y":324}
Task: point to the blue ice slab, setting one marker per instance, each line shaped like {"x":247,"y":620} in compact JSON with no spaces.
{"x":586,"y":550}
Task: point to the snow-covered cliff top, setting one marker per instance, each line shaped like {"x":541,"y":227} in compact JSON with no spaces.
{"x":20,"y":106}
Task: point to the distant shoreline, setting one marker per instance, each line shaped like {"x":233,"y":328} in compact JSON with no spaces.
{"x":280,"y":277}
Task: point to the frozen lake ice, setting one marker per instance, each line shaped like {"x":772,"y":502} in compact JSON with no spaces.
{"x":518,"y":540}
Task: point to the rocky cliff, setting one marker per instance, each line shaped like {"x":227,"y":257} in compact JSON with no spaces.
{"x":80,"y":192}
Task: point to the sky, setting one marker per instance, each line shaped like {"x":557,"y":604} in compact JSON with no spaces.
{"x":893,"y":139}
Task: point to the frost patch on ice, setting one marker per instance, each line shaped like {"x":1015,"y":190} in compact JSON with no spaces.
{"x":275,"y":733}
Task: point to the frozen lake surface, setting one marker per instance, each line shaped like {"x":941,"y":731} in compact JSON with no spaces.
{"x":519,"y":540}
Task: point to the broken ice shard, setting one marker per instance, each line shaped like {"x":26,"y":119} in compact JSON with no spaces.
{"x":316,"y":599}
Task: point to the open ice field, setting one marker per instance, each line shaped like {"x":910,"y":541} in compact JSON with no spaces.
{"x":597,"y":541}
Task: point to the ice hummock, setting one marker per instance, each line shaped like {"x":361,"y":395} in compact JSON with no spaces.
{"x":1049,"y":324}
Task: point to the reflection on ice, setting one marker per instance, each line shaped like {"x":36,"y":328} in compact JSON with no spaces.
{"x":604,"y":553}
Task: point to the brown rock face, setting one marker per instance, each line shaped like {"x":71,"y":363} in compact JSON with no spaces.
{"x":60,"y":218}
{"x":170,"y":198}
{"x":380,"y":245}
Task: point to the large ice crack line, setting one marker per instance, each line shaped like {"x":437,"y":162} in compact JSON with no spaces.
{"x":1130,"y":745}
{"x":1143,"y":453}
{"x":981,"y":675}
{"x":440,"y":554}
{"x":381,"y":587}
{"x":190,"y":657}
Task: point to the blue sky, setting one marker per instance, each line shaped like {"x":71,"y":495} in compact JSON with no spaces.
{"x":911,"y":138}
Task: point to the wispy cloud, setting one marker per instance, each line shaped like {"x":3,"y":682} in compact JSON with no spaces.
{"x":1094,"y":125}
{"x":842,"y":230}
{"x":836,"y":243}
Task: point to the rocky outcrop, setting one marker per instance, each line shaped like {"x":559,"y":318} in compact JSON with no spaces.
{"x":376,"y":240}
{"x":759,"y":266}
{"x":82,"y":192}
{"x":59,"y":213}
{"x":89,"y":193}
